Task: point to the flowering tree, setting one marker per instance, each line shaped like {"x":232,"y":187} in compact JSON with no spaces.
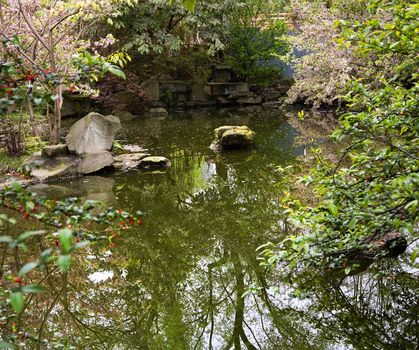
{"x":324,"y":67}
{"x":45,"y":50}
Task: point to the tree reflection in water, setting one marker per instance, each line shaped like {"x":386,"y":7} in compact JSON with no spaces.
{"x":177,"y":281}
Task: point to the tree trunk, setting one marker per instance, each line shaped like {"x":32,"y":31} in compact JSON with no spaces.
{"x":58,"y":102}
{"x":32,"y":117}
{"x":56,"y":120}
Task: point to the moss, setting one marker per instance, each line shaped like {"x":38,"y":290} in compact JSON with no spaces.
{"x":242,"y":132}
{"x":221,"y":130}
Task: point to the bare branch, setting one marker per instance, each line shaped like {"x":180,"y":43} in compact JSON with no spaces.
{"x":31,"y":26}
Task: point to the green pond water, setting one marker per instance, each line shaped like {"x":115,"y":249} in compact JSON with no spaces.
{"x":177,"y":281}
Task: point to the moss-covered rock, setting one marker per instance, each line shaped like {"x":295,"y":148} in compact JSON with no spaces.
{"x":233,"y":137}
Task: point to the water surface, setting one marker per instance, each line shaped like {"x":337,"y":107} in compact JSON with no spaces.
{"x":177,"y":281}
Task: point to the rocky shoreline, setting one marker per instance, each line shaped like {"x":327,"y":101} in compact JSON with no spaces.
{"x":88,"y":150}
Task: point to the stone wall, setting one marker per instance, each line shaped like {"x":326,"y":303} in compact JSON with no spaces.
{"x":221,"y":89}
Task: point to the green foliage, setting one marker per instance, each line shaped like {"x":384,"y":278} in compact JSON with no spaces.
{"x":253,"y":52}
{"x":374,"y":188}
{"x":73,"y":218}
{"x":24,"y":85}
{"x":189,"y":4}
{"x":33,"y":144}
{"x":92,"y":67}
{"x":156,"y":27}
{"x":255,"y":40}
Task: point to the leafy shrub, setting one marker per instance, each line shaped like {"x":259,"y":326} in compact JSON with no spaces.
{"x":33,"y":144}
{"x":68,"y":226}
{"x":373,"y":190}
{"x":253,"y":51}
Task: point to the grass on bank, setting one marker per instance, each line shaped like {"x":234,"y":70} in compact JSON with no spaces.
{"x":15,"y":164}
{"x":10,"y":164}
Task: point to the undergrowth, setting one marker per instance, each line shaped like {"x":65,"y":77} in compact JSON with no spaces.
{"x":10,"y":164}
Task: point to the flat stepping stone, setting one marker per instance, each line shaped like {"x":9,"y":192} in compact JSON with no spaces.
{"x":128,"y":161}
{"x":155,"y":163}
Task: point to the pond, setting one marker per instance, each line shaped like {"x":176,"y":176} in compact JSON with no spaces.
{"x":177,"y":281}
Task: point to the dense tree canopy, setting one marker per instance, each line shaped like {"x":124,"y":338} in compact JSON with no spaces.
{"x":373,"y":189}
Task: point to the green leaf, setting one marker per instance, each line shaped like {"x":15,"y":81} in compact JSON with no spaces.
{"x":352,"y":223}
{"x":117,"y":72}
{"x":66,"y":239}
{"x":33,"y":288}
{"x":17,"y":301}
{"x":64,"y":262}
{"x":5,"y":239}
{"x":4,"y":345}
{"x":30,"y":205}
{"x":333,"y":209}
{"x":414,"y":256}
{"x":17,"y":186}
{"x":25,"y":235}
{"x":347,"y":270}
{"x":45,"y":254}
{"x":26,"y":268}
{"x":189,"y":4}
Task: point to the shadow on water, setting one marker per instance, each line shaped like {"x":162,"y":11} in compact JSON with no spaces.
{"x":177,"y":281}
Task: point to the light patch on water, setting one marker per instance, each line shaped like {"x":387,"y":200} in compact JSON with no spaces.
{"x":208,"y":170}
{"x":100,"y":276}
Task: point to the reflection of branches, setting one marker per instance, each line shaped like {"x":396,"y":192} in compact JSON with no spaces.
{"x":262,"y":323}
{"x":211,"y":306}
{"x":290,"y":333}
{"x":350,"y":326}
{"x":87,"y":297}
{"x":41,"y":328}
{"x":238,"y":331}
{"x":82,"y":324}
{"x":251,"y":331}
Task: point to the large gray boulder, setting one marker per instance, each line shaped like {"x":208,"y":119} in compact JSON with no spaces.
{"x":46,"y":168}
{"x":93,"y":162}
{"x":227,"y":137}
{"x":94,"y":133}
